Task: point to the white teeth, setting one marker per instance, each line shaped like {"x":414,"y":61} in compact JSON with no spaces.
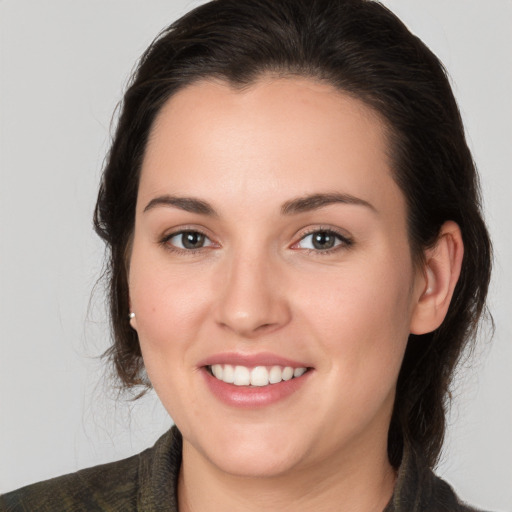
{"x":257,"y":376}
{"x":217,"y":371}
{"x":228,"y":375}
{"x":242,"y":376}
{"x":299,"y":371}
{"x":287,"y":373}
{"x":276,"y":375}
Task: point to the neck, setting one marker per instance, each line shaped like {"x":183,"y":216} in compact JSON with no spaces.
{"x":352,"y":482}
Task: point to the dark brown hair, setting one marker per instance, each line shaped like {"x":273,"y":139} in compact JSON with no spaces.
{"x":363,"y":49}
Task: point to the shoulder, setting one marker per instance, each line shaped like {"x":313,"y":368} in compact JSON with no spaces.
{"x":418,"y":489}
{"x":444,"y":498}
{"x":107,"y":487}
{"x":97,"y":488}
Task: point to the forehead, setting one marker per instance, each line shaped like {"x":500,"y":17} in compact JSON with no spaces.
{"x":275,"y":137}
{"x":266,"y":106}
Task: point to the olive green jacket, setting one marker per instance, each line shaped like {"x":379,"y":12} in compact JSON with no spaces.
{"x":147,"y":483}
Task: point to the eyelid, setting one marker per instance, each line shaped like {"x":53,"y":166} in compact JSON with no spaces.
{"x":345,"y":239}
{"x":164,"y":239}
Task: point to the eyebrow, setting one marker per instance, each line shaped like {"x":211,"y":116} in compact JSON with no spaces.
{"x":291,"y":207}
{"x":189,"y":204}
{"x":317,"y":201}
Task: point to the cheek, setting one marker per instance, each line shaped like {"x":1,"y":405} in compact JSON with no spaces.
{"x":170,"y":308}
{"x":361,"y":316}
{"x":169,"y":304}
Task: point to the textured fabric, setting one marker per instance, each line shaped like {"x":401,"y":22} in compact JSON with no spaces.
{"x":418,"y":489}
{"x":147,"y":483}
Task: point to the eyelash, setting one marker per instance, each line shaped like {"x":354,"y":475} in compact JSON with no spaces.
{"x":344,"y":242}
{"x":165,"y":241}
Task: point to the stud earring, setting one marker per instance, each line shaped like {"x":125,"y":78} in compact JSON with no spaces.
{"x":131,"y":315}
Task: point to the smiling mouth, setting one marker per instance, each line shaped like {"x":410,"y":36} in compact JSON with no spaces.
{"x":258,"y":376}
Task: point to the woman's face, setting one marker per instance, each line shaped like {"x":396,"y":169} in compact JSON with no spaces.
{"x":270,"y":240}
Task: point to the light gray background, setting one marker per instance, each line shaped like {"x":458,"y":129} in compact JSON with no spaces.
{"x":63,"y":65}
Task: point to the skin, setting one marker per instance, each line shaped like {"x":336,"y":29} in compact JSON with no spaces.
{"x":259,"y":286}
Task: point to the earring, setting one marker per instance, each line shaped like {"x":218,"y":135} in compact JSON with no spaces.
{"x":131,"y":315}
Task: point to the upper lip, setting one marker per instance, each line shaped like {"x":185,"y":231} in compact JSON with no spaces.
{"x":252,"y":360}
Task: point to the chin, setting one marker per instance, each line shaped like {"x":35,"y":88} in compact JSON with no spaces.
{"x":247,"y":451}
{"x":254,"y":465}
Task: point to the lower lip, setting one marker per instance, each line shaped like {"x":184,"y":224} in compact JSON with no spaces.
{"x":253,"y":396}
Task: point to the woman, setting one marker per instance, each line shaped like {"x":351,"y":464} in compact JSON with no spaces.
{"x":298,"y":259}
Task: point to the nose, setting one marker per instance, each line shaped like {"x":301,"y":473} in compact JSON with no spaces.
{"x":253,"y":299}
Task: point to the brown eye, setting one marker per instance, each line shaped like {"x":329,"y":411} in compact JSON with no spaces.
{"x":189,"y":240}
{"x":322,"y":240}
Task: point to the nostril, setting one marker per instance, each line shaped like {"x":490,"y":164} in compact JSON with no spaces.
{"x":265,"y":327}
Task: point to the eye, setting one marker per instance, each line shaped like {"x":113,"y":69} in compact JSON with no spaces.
{"x":322,"y":240}
{"x":188,"y":240}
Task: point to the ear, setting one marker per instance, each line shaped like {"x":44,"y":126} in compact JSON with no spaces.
{"x":438,"y":279}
